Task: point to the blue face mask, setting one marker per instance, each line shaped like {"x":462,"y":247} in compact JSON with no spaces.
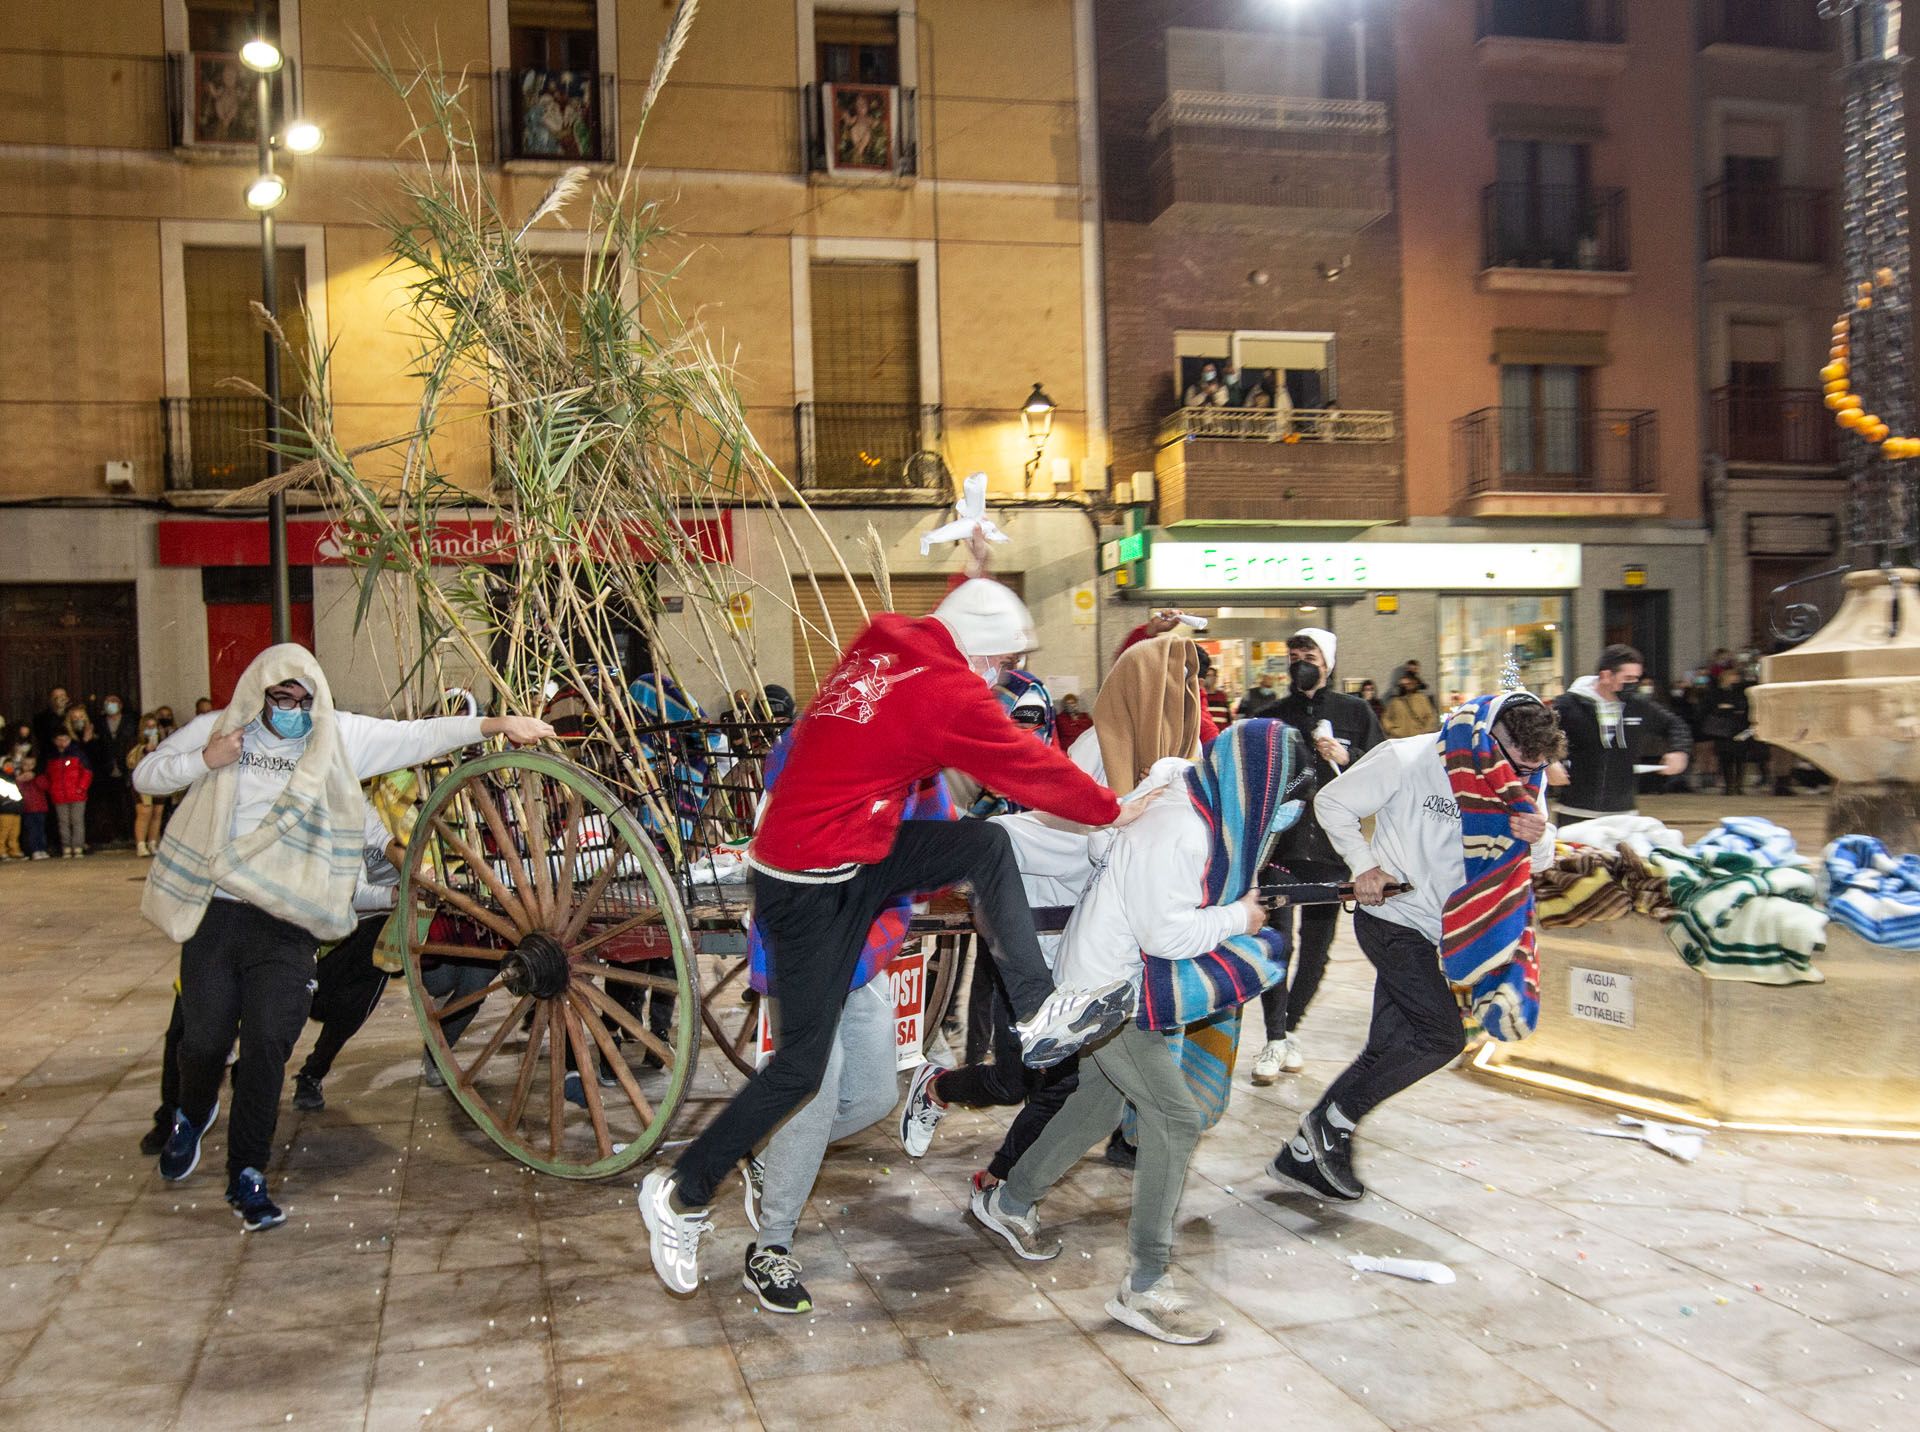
{"x":289,"y":725}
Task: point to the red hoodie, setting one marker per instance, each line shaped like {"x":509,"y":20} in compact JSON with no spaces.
{"x":68,"y":778}
{"x":901,"y":705}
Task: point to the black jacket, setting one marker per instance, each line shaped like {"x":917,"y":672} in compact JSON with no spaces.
{"x":1602,"y":779}
{"x":1723,"y":713}
{"x":1355,"y":728}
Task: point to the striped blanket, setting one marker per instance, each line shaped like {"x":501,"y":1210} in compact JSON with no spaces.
{"x":1249,"y":785}
{"x":1873,"y":893}
{"x":1739,"y":918}
{"x":1761,"y":840}
{"x":1585,"y":886}
{"x":1486,"y":926}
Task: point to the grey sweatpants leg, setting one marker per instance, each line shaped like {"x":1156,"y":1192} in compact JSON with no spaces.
{"x":860,"y":1088}
{"x":1135,"y":1066}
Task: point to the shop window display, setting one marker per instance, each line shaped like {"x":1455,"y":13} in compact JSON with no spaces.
{"x":1478,"y":633}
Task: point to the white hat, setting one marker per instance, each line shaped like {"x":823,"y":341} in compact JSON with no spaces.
{"x":987,"y":619}
{"x":1321,"y":638}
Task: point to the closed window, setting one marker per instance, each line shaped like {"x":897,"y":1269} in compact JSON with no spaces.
{"x":852,"y":47}
{"x":1543,"y":420}
{"x":865,"y":420}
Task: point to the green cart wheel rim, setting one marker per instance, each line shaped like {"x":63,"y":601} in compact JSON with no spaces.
{"x":546,"y":873}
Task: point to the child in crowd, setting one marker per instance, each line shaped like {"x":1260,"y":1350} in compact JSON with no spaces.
{"x":68,"y":780}
{"x":9,"y":810}
{"x":147,"y":810}
{"x":35,"y":803}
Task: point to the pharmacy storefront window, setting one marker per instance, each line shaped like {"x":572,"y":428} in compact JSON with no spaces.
{"x":1478,"y":633}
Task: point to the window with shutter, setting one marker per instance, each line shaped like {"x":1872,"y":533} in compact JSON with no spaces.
{"x":866,"y":373}
{"x":821,"y":631}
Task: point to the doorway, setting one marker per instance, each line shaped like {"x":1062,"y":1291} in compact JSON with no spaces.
{"x":80,"y":635}
{"x":1640,"y":620}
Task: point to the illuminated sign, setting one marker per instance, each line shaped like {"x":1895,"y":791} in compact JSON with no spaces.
{"x":1362,"y":566}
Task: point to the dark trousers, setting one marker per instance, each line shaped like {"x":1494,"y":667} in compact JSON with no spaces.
{"x":814,"y":936}
{"x":109,"y":810}
{"x":347,"y":984}
{"x":247,"y":972}
{"x":1732,"y":756}
{"x":1416,"y":1025}
{"x":170,"y":1066}
{"x":33,"y":831}
{"x":1006,"y":1080}
{"x":448,"y":980}
{"x":981,"y":987}
{"x":1285,"y":1005}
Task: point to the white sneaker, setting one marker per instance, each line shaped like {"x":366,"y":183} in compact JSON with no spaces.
{"x":1272,"y":1059}
{"x":1071,"y":1018}
{"x":921,"y":1114}
{"x":673,"y":1237}
{"x":1164,"y":1311}
{"x":140,"y":848}
{"x":1293,"y":1061}
{"x":753,"y":1188}
{"x":1022,"y":1232}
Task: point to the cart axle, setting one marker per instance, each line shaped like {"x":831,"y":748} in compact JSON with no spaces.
{"x":538,"y":967}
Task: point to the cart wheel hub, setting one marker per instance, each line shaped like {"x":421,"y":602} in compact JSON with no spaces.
{"x":538,"y":967}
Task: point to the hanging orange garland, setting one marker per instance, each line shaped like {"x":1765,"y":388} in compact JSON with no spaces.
{"x":1845,"y":404}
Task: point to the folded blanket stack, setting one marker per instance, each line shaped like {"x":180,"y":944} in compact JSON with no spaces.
{"x":1764,"y":842}
{"x":1740,"y":917}
{"x":1639,"y":833}
{"x":1585,"y":886}
{"x":1873,"y":893}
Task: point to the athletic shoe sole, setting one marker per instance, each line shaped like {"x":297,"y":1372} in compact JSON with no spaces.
{"x":198,"y":1139}
{"x":1309,"y":1123}
{"x":1121,"y":1313}
{"x":653,"y":1186}
{"x":249,"y":1225}
{"x":1260,"y":1081}
{"x":1287,"y":1178}
{"x":746,"y":1281}
{"x":977,"y":1210}
{"x":1103,"y":1015}
{"x":752,"y":1200}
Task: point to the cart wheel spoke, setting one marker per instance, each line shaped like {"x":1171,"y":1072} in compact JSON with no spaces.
{"x":557,"y":1079}
{"x":525,"y":809}
{"x":481,"y":794}
{"x":466,"y":1001}
{"x":467,"y":907}
{"x":621,"y":1016}
{"x":611,"y":1053}
{"x":475,"y":860}
{"x":529,"y":1059}
{"x":512,"y":1022}
{"x":620,"y":974}
{"x":589,"y":1076}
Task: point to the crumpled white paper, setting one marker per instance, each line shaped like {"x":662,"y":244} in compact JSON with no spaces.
{"x":971,"y":510}
{"x":1417,"y":1269}
{"x":1676,"y":1142}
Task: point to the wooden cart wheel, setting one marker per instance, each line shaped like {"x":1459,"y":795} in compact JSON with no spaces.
{"x":730,"y":1008}
{"x":945,"y":955}
{"x":546,"y":923}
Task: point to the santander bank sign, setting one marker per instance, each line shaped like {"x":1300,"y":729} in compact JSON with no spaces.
{"x":230,"y":542}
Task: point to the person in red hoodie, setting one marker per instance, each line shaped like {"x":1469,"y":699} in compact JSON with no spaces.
{"x":69,"y":778}
{"x":909,"y":698}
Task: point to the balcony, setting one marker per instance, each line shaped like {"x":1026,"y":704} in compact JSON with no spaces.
{"x":212,"y":105}
{"x":1568,"y":37}
{"x":1774,"y":427}
{"x":1768,"y":223}
{"x":1558,"y":462}
{"x":1554,"y":238}
{"x":868,"y":448}
{"x":1762,"y":25}
{"x":1299,"y":165}
{"x":1312,"y":465}
{"x":856,"y":131}
{"x":214,"y":444}
{"x":554,"y":117}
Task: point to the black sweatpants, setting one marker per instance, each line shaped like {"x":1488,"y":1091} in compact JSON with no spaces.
{"x":347,"y":986}
{"x":1006,"y":1080}
{"x":814,"y":935}
{"x":1416,"y":1025}
{"x":1284,"y":1005}
{"x":246,"y":972}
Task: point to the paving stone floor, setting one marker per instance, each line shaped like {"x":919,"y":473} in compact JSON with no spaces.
{"x":423,"y":1280}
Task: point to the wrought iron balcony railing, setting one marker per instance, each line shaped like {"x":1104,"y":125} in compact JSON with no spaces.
{"x":1774,"y":425}
{"x":1554,"y":226}
{"x":1591,"y":21}
{"x":214,"y":444}
{"x":1557,"y":450}
{"x":561,"y":116}
{"x":864,"y":446}
{"x":1268,"y":113}
{"x":1310,"y":425}
{"x":1767,"y":221}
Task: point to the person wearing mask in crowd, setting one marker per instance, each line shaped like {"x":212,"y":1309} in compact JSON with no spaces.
{"x":1409,"y":667}
{"x":1208,"y":391}
{"x":164,"y":714}
{"x":1469,"y":800}
{"x":1339,"y":729}
{"x":1608,"y":727}
{"x":68,"y":779}
{"x":109,"y":811}
{"x":1219,"y":707}
{"x":258,"y":867}
{"x":1723,"y":720}
{"x":1260,"y":695}
{"x":1411,"y":712}
{"x":146,"y":809}
{"x":78,"y":723}
{"x":50,"y":718}
{"x":1370,"y":693}
{"x":36,"y":804}
{"x":907,"y":700}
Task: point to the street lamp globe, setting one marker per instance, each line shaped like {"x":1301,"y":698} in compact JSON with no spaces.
{"x":303,"y":136}
{"x":1036,"y":417}
{"x":260,"y":55}
{"x":266,"y":192}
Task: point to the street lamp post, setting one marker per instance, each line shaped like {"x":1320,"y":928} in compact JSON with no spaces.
{"x":261,"y":54}
{"x":1036,"y":421}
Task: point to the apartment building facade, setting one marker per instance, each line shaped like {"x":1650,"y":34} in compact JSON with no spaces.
{"x":883,"y":209}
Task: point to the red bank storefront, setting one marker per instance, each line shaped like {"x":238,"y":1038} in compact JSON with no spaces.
{"x":231,"y":554}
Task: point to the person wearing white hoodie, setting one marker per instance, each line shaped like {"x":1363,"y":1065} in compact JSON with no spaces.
{"x":1417,"y":841}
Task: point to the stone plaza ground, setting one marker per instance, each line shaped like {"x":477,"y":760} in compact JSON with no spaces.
{"x":424,"y":1280}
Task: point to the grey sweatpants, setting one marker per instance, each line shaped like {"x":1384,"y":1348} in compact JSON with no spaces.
{"x":72,"y":817}
{"x":1135,"y":1066}
{"x":859,"y":1088}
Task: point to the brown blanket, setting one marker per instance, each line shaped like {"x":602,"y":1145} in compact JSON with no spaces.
{"x":1584,"y":886}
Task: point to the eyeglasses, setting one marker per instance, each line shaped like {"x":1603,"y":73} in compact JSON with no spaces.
{"x":289,"y":703}
{"x":1520,"y":767}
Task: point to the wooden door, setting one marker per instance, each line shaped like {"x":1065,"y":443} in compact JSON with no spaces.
{"x":80,"y":635}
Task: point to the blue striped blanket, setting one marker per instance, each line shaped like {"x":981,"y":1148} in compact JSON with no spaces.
{"x":1872,"y":892}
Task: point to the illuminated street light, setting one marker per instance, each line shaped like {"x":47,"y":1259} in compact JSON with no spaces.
{"x":266,"y":192}
{"x":262,"y":56}
{"x":303,"y":136}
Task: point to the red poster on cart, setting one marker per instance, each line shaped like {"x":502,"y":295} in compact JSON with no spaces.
{"x":907,"y":978}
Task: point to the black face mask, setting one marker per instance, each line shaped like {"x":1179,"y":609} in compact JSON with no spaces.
{"x":1304,"y":675}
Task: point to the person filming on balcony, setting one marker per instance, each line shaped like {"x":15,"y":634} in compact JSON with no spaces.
{"x":1209,"y":391}
{"x":1608,"y":726}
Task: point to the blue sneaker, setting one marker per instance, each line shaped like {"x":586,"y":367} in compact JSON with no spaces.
{"x":247,"y":1192}
{"x":181,"y":1154}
